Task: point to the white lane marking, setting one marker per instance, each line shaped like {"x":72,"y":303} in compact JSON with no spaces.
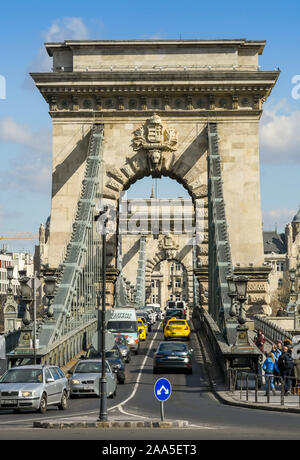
{"x":131,"y":415}
{"x":139,"y":376}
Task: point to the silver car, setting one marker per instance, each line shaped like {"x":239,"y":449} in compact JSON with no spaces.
{"x":36,"y":387}
{"x":86,"y":377}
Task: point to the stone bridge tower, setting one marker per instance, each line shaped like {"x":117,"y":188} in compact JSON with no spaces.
{"x":155,"y":98}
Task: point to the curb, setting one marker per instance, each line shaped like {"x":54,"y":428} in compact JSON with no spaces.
{"x":113,"y":424}
{"x":226,"y":399}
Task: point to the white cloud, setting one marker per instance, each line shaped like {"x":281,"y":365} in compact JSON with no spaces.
{"x":280,"y":135}
{"x":277,"y":216}
{"x":30,"y":170}
{"x":61,"y":29}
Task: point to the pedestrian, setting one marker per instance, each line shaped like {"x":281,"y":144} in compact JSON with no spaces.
{"x":296,"y":372}
{"x":280,"y":312}
{"x":276,"y":351}
{"x":285,"y":365}
{"x":287,"y":342}
{"x":270,"y":367}
{"x":259,"y":340}
{"x":279,"y":345}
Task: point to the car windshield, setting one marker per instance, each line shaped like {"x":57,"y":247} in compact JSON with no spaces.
{"x":180,"y":305}
{"x":171,"y":347}
{"x":122,"y":326}
{"x":172,"y":304}
{"x":89,"y":367}
{"x":174,"y":312}
{"x":177,"y":323}
{"x":23,"y":376}
{"x":142,"y":315}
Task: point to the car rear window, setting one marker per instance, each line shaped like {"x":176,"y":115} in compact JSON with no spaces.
{"x":169,"y":347}
{"x":177,"y":323}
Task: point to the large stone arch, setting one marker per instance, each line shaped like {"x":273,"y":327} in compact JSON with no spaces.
{"x":159,"y":257}
{"x":185,"y":165}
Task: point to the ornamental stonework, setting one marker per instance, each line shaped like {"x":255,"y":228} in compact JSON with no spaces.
{"x":156,"y":140}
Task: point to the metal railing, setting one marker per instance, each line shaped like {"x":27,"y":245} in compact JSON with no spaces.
{"x":271,"y":330}
{"x":241,"y":379}
{"x":219,"y":253}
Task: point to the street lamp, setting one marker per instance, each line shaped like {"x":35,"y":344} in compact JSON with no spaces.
{"x":241,"y":290}
{"x":49,"y":289}
{"x":10,"y":275}
{"x":102,"y":319}
{"x":26,"y":295}
{"x":232,"y":294}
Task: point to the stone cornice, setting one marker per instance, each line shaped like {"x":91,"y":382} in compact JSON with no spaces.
{"x":198,"y":114}
{"x":134,"y":44}
{"x":127,"y":78}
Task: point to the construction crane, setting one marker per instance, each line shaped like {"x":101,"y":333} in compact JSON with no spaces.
{"x":26,"y":236}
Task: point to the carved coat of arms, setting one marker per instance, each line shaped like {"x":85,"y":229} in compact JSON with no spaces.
{"x":168,"y":246}
{"x":155,"y":139}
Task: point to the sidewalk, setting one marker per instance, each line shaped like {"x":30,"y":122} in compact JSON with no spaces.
{"x":241,"y":399}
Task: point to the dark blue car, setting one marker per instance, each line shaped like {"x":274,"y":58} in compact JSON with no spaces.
{"x":172,"y":355}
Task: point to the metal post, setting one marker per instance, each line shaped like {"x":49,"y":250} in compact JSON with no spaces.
{"x":103,"y":392}
{"x":162,"y":412}
{"x":34,"y":318}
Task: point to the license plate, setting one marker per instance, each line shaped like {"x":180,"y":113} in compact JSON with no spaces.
{"x":9,"y":402}
{"x":88,"y":387}
{"x":172,"y":357}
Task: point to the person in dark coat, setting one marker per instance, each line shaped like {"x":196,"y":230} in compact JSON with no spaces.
{"x":259,"y":340}
{"x":285,"y":366}
{"x":296,"y":372}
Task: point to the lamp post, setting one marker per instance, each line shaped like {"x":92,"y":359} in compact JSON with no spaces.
{"x":103,"y":382}
{"x":237,"y":291}
{"x":292,"y":302}
{"x":241,"y":290}
{"x":10,"y":276}
{"x":49,"y":289}
{"x":232,"y":294}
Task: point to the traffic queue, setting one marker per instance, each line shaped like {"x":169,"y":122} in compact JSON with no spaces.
{"x":39,"y":386}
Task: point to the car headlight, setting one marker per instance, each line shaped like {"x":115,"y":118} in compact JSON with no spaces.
{"x":26,"y":394}
{"x":75,"y":382}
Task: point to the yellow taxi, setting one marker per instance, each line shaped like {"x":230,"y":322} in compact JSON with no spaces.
{"x":177,"y":328}
{"x":142,"y":329}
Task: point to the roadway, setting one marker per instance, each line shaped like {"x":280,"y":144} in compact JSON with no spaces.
{"x":191,"y":400}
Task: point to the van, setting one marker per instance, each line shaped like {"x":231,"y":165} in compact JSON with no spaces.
{"x":177,"y":304}
{"x":157,"y":310}
{"x":124,"y":321}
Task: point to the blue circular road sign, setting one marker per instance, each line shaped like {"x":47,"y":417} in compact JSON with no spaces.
{"x":162,"y":389}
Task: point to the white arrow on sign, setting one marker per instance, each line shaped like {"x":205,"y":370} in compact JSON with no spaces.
{"x":163,"y":388}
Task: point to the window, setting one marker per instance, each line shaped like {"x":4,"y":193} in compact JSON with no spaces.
{"x":178,"y":267}
{"x":62,"y":375}
{"x":48,"y":374}
{"x":178,"y":283}
{"x":280,"y":266}
{"x":55,"y":374}
{"x":280,"y":284}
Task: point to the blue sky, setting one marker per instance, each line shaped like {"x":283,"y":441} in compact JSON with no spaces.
{"x":25,"y":126}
